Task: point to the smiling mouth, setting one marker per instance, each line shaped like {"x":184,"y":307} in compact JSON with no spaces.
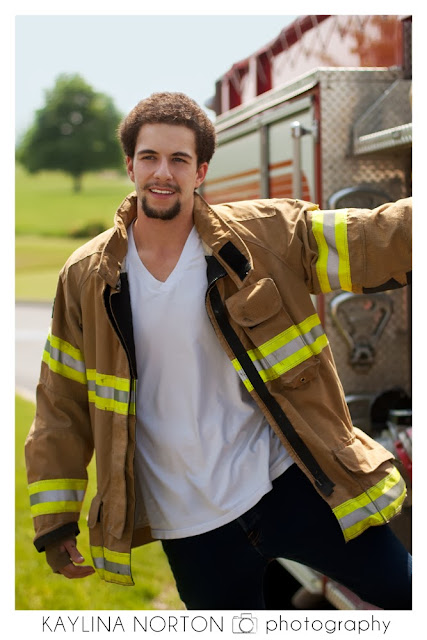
{"x":167,"y":190}
{"x":163,"y":192}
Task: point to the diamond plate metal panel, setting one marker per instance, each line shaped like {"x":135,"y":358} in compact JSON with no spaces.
{"x":388,"y":121}
{"x":391,"y":109}
{"x":345,"y":95}
{"x":391,"y":366}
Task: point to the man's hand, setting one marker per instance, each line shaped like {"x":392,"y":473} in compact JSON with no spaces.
{"x":62,"y":557}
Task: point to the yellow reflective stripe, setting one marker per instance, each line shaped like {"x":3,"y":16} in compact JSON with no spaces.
{"x":64,"y":359}
{"x":286,"y":350}
{"x":292,"y":361}
{"x":286,"y":365}
{"x":111,"y":556}
{"x":106,"y":380}
{"x":46,"y":508}
{"x":284,"y":337}
{"x":309,"y":323}
{"x":111,"y":393}
{"x":56,"y":496}
{"x":377,"y":518}
{"x":112,"y":566}
{"x":63,"y":370}
{"x":333,"y":262}
{"x":117,"y":578}
{"x":342,"y":248}
{"x":236,"y":364}
{"x":322,"y":260}
{"x":375,"y":506}
{"x":108,"y":404}
{"x":391,"y":480}
{"x":366,"y":497}
{"x":106,"y":392}
{"x":65,"y":347}
{"x":55,"y":484}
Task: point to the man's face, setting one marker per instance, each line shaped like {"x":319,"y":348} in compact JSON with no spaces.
{"x":165,"y":170}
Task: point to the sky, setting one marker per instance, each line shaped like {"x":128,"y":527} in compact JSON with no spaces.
{"x":130,"y":56}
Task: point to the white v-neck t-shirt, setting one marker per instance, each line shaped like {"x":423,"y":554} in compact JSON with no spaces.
{"x":205,"y":454}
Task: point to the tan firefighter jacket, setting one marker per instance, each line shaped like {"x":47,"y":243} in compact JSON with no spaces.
{"x":264,"y":259}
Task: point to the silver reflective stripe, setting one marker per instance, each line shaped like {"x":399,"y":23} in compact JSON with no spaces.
{"x":374,"y":507}
{"x":333,"y":257}
{"x":289,"y":349}
{"x":57,"y":495}
{"x":109,"y":393}
{"x":112,"y":567}
{"x":65,"y":358}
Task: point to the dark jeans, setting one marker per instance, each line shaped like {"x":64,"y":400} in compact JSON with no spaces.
{"x":224,"y":568}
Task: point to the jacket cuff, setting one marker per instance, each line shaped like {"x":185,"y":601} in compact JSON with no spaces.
{"x":69,"y":529}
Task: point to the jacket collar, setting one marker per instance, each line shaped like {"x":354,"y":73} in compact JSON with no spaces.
{"x":221,"y":240}
{"x":218,"y":237}
{"x":116,"y":246}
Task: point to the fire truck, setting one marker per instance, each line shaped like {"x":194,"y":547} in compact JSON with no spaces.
{"x":323,"y":113}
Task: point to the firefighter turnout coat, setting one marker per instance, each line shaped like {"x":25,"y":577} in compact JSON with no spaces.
{"x":264,"y":260}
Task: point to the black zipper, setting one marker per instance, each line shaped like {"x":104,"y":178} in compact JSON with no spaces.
{"x":127,"y":341}
{"x":215,"y":272}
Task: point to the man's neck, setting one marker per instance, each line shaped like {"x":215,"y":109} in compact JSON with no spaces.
{"x":160,"y":242}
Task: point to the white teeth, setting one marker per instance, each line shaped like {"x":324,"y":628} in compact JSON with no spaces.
{"x":162,"y":191}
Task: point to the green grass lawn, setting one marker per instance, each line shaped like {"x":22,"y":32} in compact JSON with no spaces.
{"x":37,"y":263}
{"x":48,"y":214}
{"x":46,"y":205}
{"x":36,"y":587}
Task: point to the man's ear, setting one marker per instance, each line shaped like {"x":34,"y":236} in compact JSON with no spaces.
{"x":129,"y":168}
{"x":201,"y":174}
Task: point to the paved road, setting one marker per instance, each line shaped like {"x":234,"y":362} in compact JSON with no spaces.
{"x":31,"y":328}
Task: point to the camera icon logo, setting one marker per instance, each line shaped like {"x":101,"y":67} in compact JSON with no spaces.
{"x":245,"y":623}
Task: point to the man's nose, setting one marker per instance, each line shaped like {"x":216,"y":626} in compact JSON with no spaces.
{"x":163,"y":170}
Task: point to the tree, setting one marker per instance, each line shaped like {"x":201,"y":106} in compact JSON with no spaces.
{"x":74,"y":132}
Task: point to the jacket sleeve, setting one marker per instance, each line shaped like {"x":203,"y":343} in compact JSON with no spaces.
{"x":59,"y":445}
{"x":358,"y":250}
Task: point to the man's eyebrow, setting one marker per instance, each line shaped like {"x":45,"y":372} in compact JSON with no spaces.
{"x":176,"y":153}
{"x":182,"y":153}
{"x":141,"y":151}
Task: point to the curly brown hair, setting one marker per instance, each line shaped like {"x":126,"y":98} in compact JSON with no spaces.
{"x":169,"y":108}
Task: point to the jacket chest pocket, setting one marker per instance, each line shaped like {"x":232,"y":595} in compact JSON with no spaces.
{"x":282,"y":349}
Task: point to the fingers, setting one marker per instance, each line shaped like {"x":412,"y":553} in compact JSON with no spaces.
{"x":64,"y":559}
{"x":71,"y":571}
{"x":71,"y":548}
{"x":57,"y":556}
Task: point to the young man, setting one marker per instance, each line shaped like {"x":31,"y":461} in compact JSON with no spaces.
{"x":186,"y":351}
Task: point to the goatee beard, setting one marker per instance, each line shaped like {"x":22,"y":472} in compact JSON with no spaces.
{"x":168,"y":214}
